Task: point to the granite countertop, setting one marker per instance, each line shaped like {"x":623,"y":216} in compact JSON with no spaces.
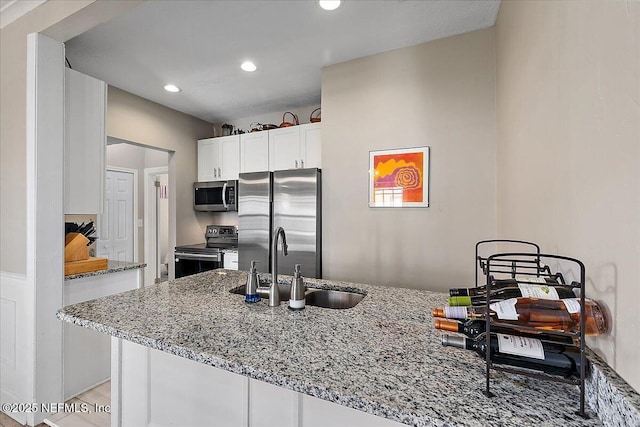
{"x":112,"y":267}
{"x":383,"y":356}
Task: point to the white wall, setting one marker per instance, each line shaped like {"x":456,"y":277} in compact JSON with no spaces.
{"x":439,"y":94}
{"x":568,"y":102}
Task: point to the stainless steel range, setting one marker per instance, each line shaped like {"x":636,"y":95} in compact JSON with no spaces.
{"x":193,"y":259}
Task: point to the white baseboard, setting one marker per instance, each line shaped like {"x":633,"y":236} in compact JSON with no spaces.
{"x":16,"y":343}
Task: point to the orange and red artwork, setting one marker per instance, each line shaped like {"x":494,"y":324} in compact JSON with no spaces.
{"x":399,"y":178}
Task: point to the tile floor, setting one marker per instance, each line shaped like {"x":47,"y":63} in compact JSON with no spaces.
{"x":85,"y":414}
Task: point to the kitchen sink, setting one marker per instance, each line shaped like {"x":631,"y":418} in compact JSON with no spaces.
{"x":325,"y":298}
{"x":329,"y":298}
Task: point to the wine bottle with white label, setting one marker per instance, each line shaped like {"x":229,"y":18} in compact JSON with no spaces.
{"x":523,"y":352}
{"x":557,"y":315}
{"x":503,"y":283}
{"x":473,"y":328}
{"x":522,"y":290}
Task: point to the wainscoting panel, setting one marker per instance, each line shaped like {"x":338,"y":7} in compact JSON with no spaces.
{"x":16,"y":352}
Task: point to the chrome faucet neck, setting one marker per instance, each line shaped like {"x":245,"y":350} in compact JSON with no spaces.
{"x":274,"y":294}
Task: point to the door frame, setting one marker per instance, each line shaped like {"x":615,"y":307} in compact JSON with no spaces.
{"x":135,"y":206}
{"x":150,"y":221}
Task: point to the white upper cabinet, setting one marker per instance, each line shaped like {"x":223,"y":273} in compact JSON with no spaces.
{"x":254,"y":152}
{"x":295,"y":147}
{"x":284,"y":148}
{"x":219,"y":158}
{"x":292,"y":147}
{"x":84,"y":143}
{"x":310,"y":145}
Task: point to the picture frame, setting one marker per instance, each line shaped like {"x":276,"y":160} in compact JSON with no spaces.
{"x":399,"y":178}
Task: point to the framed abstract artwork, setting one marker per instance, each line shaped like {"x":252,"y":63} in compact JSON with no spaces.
{"x":399,"y":178}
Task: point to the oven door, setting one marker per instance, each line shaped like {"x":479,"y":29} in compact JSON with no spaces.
{"x":189,"y":263}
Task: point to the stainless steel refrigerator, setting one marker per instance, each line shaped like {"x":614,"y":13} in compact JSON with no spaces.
{"x":291,"y":199}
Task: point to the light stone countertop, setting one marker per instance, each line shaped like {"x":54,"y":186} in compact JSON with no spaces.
{"x":112,"y":267}
{"x":383,"y":356}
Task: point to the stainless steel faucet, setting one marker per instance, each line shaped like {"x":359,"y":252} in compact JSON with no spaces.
{"x":274,"y":293}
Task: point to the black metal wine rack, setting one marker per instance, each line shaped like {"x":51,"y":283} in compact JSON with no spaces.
{"x":529,"y":263}
{"x":534,"y":268}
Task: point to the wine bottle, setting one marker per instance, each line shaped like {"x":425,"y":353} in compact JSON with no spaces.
{"x":559,"y":315}
{"x":473,"y":328}
{"x":522,"y":290}
{"x":530,"y":353}
{"x":503,"y":283}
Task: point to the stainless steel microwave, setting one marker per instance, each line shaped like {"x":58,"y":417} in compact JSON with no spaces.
{"x":215,"y":196}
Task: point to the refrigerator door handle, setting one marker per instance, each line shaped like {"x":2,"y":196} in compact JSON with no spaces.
{"x":224,"y":196}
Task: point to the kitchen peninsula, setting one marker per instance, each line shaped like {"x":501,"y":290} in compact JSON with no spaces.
{"x":379,"y":363}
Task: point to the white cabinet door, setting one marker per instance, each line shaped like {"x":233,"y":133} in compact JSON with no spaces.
{"x":310,"y":145}
{"x":270,"y":405}
{"x":230,"y":260}
{"x":316,"y":412}
{"x":219,"y":158}
{"x":84,"y":143}
{"x":229,"y":157}
{"x":208,"y":153}
{"x":160,"y":389}
{"x":254,"y":152}
{"x":284,"y":148}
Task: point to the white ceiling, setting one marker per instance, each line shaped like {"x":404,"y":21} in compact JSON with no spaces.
{"x":199,"y":46}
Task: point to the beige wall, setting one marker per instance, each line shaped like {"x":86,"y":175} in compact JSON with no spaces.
{"x":13,"y":127}
{"x":136,"y":157}
{"x":136,"y":119}
{"x":568,"y":102}
{"x":61,"y":20}
{"x":439,"y":94}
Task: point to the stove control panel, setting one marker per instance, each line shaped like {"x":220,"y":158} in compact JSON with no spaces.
{"x":228,"y":231}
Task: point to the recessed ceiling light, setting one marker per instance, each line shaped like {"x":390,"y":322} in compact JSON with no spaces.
{"x":248,"y":66}
{"x":329,"y":4}
{"x":171,"y":88}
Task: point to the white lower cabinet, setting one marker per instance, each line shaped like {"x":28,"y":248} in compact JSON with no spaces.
{"x":230,"y":260}
{"x":86,"y":356}
{"x":270,"y":405}
{"x":153,"y":388}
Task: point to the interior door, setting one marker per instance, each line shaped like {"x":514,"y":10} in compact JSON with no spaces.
{"x":116,"y":222}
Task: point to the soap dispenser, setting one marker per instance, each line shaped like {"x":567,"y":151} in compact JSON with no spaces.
{"x":251,"y":290}
{"x":297,"y":301}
